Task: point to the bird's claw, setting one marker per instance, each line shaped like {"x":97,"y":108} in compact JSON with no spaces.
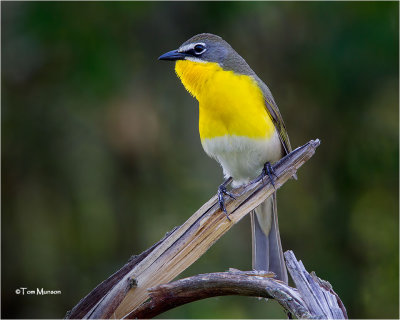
{"x":221,"y":192}
{"x":270,"y":172}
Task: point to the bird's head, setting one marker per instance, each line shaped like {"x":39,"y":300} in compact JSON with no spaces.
{"x":204,"y":47}
{"x":199,"y":58}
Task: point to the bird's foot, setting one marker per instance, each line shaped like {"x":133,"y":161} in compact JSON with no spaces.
{"x":268,"y":171}
{"x":221,"y":192}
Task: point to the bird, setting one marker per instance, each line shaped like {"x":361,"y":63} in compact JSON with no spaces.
{"x":240,"y":127}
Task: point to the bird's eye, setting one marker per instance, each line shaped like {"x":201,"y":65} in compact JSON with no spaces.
{"x":199,"y":49}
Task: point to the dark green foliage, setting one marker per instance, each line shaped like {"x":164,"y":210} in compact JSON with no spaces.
{"x":101,"y":154}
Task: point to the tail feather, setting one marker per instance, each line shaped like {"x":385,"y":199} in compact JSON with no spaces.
{"x":267,"y":248}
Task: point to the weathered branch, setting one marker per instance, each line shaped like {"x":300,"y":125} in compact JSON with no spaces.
{"x":243,"y":283}
{"x":313,"y":298}
{"x":96,"y":295}
{"x":318,"y":295}
{"x":126,"y":290}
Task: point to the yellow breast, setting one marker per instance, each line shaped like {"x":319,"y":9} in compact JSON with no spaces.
{"x":230,"y":104}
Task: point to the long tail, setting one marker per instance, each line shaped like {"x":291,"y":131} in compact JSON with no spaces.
{"x":267,"y":248}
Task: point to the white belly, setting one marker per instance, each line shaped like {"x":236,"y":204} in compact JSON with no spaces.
{"x":243,"y":158}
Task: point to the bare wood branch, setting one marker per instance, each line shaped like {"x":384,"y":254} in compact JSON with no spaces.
{"x":243,"y":283}
{"x":88,"y":302}
{"x":313,"y":299}
{"x":318,"y":294}
{"x":184,"y":245}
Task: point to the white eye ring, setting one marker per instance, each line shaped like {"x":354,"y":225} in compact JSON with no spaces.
{"x":199,"y":48}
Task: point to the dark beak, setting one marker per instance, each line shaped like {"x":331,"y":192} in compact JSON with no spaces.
{"x":172,"y":56}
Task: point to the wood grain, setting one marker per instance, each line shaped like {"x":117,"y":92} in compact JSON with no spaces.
{"x":312,"y":298}
{"x":187,"y":243}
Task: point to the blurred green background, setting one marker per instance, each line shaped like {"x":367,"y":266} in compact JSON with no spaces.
{"x":101,"y":154}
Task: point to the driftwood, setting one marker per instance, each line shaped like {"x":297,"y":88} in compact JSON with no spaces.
{"x":318,"y":295}
{"x":127,"y":289}
{"x":313,"y":299}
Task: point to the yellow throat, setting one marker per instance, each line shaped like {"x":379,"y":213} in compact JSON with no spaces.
{"x":229,"y":103}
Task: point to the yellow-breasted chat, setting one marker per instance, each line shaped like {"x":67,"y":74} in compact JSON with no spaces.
{"x":240,"y":127}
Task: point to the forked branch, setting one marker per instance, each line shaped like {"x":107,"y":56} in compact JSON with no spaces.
{"x":313,"y":298}
{"x":127,"y":289}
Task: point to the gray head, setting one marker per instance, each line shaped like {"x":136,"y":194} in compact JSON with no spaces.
{"x":207,"y":47}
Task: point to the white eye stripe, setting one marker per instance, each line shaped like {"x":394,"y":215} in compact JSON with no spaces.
{"x":194,"y":59}
{"x":190,"y":46}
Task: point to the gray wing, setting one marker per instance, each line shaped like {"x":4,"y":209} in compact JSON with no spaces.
{"x":275,"y":115}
